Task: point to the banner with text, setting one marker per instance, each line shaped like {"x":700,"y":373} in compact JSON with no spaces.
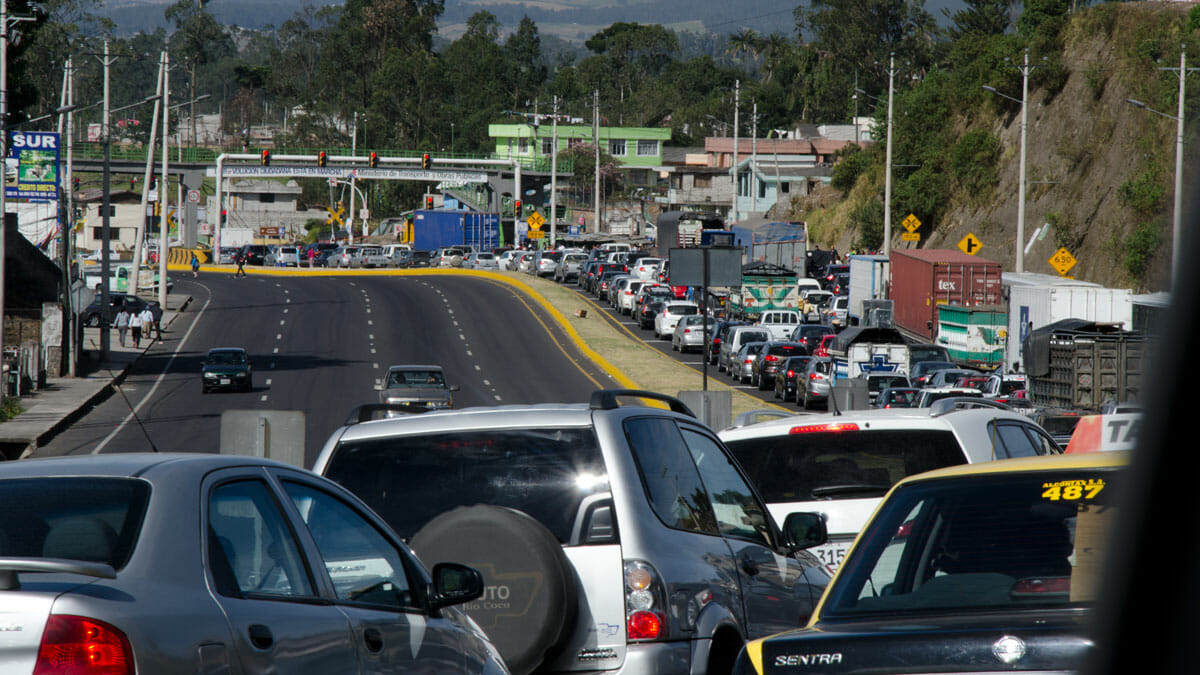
{"x":31,"y":168}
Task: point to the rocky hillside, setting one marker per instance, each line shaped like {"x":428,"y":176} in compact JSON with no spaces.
{"x":1101,"y":172}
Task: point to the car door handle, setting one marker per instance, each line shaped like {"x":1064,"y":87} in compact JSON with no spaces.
{"x":260,"y":636}
{"x":373,"y":639}
{"x":749,"y":566}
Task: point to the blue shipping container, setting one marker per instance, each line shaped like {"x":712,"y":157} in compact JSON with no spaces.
{"x":435,"y":229}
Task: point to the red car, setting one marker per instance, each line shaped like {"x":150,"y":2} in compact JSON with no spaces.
{"x":823,"y":346}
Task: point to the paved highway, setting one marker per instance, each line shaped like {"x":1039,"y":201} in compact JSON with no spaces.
{"x":319,"y":343}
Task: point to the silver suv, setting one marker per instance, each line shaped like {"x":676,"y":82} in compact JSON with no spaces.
{"x":612,"y":538}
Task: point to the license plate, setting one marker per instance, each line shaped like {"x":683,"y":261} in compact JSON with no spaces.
{"x":224,"y":380}
{"x":832,"y":553}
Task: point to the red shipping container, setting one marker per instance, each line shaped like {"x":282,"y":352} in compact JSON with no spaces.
{"x":922,"y":279}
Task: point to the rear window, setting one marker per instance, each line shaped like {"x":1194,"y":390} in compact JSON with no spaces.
{"x":548,"y":473}
{"x":785,"y":350}
{"x":684,"y":310}
{"x":91,"y":519}
{"x":752,"y":336}
{"x":816,"y":465}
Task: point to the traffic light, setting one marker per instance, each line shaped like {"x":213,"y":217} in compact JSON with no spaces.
{"x":153,"y":182}
{"x":373,"y":160}
{"x":75,"y":182}
{"x":321,"y":158}
{"x":429,"y":201}
{"x":426,"y":162}
{"x":517,"y":209}
{"x":266,"y":158}
{"x":224,"y":213}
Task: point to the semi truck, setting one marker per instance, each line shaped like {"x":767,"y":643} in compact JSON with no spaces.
{"x":434,"y":229}
{"x":764,"y":286}
{"x":922,"y":280}
{"x":869,"y":276}
{"x":1037,"y":300}
{"x":1082,"y":365}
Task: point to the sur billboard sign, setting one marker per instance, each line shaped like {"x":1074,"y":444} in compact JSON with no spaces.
{"x":31,"y":167}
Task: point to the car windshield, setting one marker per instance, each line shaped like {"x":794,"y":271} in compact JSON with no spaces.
{"x":549,"y":473}
{"x":983,"y":543}
{"x":226,"y":357}
{"x":91,"y":519}
{"x":814,"y":463}
{"x":419,"y":379}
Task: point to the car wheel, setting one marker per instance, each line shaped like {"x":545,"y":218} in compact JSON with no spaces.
{"x":806,"y":405}
{"x":203,"y":388}
{"x":514,"y":549}
{"x":775,"y":391}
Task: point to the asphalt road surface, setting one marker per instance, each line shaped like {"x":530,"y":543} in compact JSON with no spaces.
{"x":318,"y":345}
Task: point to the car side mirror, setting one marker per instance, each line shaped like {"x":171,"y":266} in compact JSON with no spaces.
{"x":454,"y":584}
{"x":804,"y":530}
{"x":378,"y":385}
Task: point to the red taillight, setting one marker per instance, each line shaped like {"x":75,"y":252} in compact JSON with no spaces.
{"x":771,"y":357}
{"x":643,"y":625}
{"x":814,"y":428}
{"x":76,"y":645}
{"x":791,"y":374}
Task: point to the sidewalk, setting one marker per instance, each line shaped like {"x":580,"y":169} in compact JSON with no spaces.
{"x":51,"y":408}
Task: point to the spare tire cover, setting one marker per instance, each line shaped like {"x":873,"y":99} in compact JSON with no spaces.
{"x":530,"y":593}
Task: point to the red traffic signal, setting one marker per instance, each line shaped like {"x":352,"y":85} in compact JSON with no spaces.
{"x":517,"y":208}
{"x":429,"y":201}
{"x":373,"y":160}
{"x":321,"y":158}
{"x":426,"y":161}
{"x":224,"y":213}
{"x":265,"y":160}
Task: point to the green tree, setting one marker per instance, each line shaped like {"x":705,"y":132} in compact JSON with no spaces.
{"x":981,"y":18}
{"x":197,"y":40}
{"x":523,"y":49}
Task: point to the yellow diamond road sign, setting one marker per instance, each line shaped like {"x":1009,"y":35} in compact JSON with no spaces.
{"x":535,"y":221}
{"x":1062,"y":261}
{"x":970,"y":245}
{"x":911,"y":223}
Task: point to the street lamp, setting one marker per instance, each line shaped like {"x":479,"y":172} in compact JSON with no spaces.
{"x":1176,"y":234}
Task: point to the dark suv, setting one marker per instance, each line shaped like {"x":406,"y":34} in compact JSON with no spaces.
{"x":253,"y":254}
{"x":612,"y":537}
{"x":95,"y":314}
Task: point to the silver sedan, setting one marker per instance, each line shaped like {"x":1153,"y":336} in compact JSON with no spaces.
{"x":689,"y":333}
{"x":181,"y":563}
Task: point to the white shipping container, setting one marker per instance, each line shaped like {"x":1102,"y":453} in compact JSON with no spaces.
{"x":1031,"y":307}
{"x":868,"y":281}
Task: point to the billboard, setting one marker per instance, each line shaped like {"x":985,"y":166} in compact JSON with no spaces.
{"x":31,"y":167}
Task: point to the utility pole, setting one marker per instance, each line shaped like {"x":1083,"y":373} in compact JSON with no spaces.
{"x":163,"y":192}
{"x":3,"y":189}
{"x":146,"y":174}
{"x":754,"y":157}
{"x":1020,"y":262}
{"x":596,"y":139}
{"x":65,"y":223}
{"x":553,"y":177}
{"x":105,"y":206}
{"x":733,"y":201}
{"x":887,"y":180}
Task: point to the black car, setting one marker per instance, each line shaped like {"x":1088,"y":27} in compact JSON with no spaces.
{"x":420,"y":258}
{"x":785,"y":376}
{"x":95,"y":314}
{"x":253,"y":254}
{"x":829,"y":279}
{"x":810,"y":334}
{"x":647,"y":312}
{"x":226,"y":368}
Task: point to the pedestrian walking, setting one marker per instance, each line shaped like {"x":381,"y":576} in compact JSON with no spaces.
{"x":241,"y":262}
{"x":135,"y":329}
{"x":156,"y":313}
{"x":195,"y":265}
{"x":147,"y":317}
{"x":122,"y":325}
{"x":312,"y":256}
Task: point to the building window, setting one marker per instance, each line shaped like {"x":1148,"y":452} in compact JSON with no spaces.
{"x":616,"y":148}
{"x":267,"y":197}
{"x":574,"y":142}
{"x":547,"y":146}
{"x":785,"y":188}
{"x":647,"y":148}
{"x":523,"y":146}
{"x":676,"y":181}
{"x":703,"y":181}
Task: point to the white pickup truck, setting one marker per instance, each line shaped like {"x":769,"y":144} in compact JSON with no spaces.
{"x":780,"y":323}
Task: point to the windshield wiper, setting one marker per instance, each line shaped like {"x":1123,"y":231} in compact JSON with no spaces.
{"x":827,"y":491}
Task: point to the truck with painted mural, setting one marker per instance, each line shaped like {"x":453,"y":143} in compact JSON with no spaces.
{"x":765,"y":286}
{"x":974,"y":336}
{"x":869,"y":349}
